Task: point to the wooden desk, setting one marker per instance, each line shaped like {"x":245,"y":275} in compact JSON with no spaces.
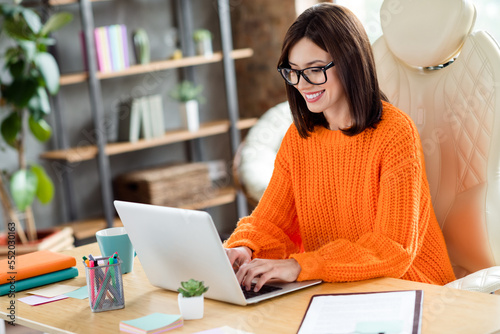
{"x":445,"y":310}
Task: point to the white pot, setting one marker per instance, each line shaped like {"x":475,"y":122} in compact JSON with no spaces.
{"x":190,"y":115}
{"x":191,"y":308}
{"x":204,"y":48}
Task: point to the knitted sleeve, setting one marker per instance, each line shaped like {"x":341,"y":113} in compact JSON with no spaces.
{"x":403,"y":213}
{"x":272,"y":230}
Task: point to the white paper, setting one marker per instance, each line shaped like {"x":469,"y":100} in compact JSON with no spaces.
{"x":387,"y":312}
{"x":38,"y":300}
{"x":54,"y":290}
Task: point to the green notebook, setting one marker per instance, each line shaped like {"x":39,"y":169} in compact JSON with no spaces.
{"x":36,"y":281}
{"x":153,"y":323}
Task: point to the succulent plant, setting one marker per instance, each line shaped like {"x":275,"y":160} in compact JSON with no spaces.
{"x":192,"y":288}
{"x":187,"y":91}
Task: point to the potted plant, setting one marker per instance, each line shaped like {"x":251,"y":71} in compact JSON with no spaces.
{"x":191,"y":299}
{"x":190,"y":96}
{"x":203,"y":42}
{"x":30,"y":73}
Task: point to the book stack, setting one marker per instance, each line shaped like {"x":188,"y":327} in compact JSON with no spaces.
{"x":111,"y":45}
{"x":153,"y":323}
{"x":35,"y":269}
{"x":141,"y":118}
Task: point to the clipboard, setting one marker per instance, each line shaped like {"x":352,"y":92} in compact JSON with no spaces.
{"x":387,"y":312}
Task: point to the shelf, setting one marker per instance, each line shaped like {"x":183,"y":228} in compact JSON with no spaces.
{"x":69,"y":79}
{"x":84,"y":229}
{"x":223,"y":196}
{"x":83,"y":153}
{"x":87,"y":228}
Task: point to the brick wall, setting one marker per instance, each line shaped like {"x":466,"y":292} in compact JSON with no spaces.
{"x":260,"y":25}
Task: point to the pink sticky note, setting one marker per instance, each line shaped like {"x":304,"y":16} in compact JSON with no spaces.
{"x":38,"y":300}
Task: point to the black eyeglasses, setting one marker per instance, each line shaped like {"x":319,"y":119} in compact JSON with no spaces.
{"x":313,"y":75}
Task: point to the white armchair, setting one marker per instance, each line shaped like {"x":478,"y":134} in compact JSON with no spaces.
{"x":433,"y":66}
{"x":254,"y":162}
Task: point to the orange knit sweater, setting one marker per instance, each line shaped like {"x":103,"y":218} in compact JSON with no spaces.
{"x":350,"y":208}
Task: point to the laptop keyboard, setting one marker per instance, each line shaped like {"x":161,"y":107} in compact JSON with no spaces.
{"x":265,"y":289}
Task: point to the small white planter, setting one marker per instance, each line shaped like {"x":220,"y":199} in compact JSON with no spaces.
{"x":204,"y":48}
{"x":190,"y":115}
{"x":191,"y":308}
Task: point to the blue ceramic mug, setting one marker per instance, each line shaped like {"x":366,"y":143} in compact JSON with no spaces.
{"x":115,"y":239}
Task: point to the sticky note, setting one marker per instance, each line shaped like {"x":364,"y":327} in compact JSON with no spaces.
{"x":80,"y":293}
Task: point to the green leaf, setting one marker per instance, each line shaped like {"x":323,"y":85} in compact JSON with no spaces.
{"x":192,"y":288}
{"x":40,"y":129}
{"x":32,"y":20}
{"x":10,"y":128}
{"x":47,"y":41}
{"x":29,"y":48}
{"x":16,"y":68}
{"x":56,"y":22}
{"x":23,"y":187}
{"x":39,"y":104}
{"x":201,"y":35}
{"x":20,"y":91}
{"x":9,"y":10}
{"x":187,"y":91}
{"x":12,"y":54}
{"x":45,"y":188}
{"x":18,"y":29}
{"x":49,"y":70}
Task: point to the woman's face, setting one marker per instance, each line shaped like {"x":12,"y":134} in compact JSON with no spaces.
{"x":329,"y":97}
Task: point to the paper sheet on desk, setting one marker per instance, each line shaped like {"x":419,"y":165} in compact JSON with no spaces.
{"x":81,"y":293}
{"x":39,"y":300}
{"x":394,"y":312}
{"x":54,"y":290}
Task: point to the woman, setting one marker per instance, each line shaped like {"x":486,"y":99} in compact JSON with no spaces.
{"x":349,"y":198}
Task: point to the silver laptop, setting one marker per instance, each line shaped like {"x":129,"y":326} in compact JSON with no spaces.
{"x":175,"y":245}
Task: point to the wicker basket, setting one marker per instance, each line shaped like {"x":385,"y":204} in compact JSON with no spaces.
{"x":172,"y":185}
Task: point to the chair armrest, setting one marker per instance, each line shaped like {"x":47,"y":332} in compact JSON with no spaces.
{"x":486,"y":280}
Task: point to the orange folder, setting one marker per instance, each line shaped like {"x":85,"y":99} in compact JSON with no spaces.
{"x":33,"y":264}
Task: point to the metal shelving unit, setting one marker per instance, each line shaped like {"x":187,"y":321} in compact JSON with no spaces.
{"x":102,"y":150}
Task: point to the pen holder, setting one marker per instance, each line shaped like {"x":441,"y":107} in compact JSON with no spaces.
{"x":105,"y":285}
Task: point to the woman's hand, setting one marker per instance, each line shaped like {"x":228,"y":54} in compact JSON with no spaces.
{"x":265,"y":269}
{"x":239,"y":256}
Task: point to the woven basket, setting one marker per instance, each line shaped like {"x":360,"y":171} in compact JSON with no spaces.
{"x":172,"y":185}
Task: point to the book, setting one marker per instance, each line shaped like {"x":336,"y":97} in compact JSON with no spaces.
{"x":115,"y":49}
{"x":153,"y":323}
{"x":99,"y":51}
{"x":111,"y":47}
{"x":34,"y":264}
{"x":157,"y":120}
{"x":125,"y":45}
{"x":104,"y":45}
{"x":37,"y":281}
{"x":118,"y":39}
{"x":146,"y":123}
{"x":129,"y":120}
{"x":370,"y":312}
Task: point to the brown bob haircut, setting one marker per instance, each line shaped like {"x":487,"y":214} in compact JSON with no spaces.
{"x":338,"y":31}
